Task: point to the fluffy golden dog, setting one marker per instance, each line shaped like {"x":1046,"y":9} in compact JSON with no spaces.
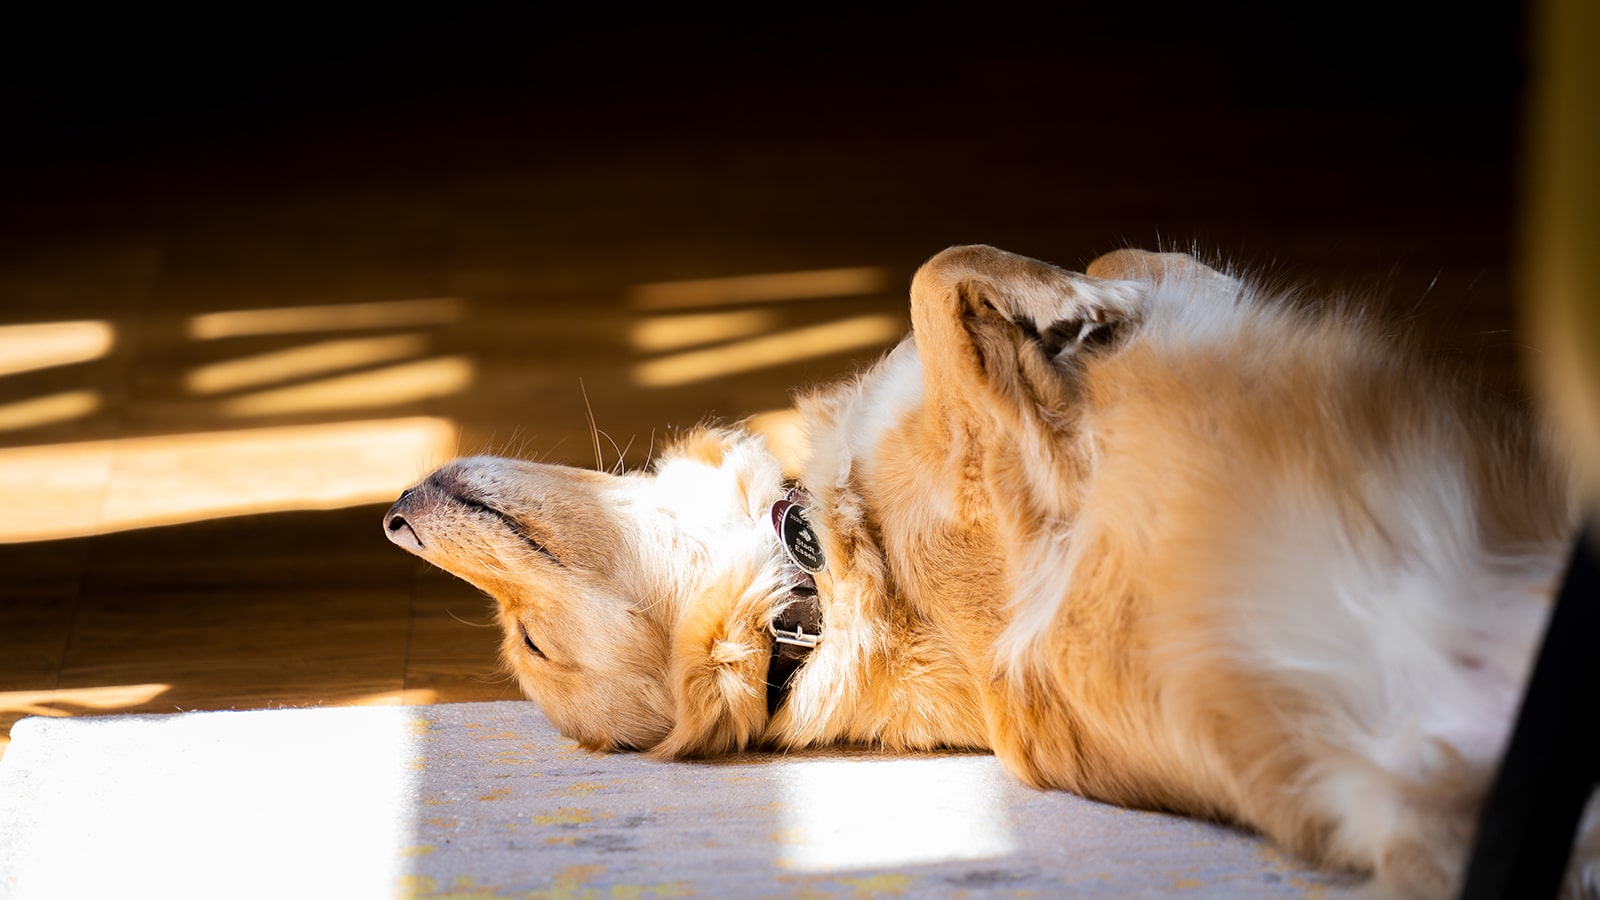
{"x":1147,"y":533}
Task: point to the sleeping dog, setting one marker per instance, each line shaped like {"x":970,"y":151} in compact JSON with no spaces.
{"x":1149,"y":533}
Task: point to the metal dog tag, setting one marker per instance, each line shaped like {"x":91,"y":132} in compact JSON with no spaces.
{"x":797,"y":536}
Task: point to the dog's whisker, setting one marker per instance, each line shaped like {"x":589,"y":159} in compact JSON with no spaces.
{"x":500,"y":676}
{"x":594,"y":431}
{"x":451,"y":613}
{"x":616,"y":469}
{"x":622,"y":455}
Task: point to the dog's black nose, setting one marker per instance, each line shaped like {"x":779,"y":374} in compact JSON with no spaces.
{"x":399,"y":529}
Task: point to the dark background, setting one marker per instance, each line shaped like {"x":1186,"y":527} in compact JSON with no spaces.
{"x":1243,"y":127}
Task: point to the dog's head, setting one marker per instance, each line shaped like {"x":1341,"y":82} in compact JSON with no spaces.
{"x":632,"y":606}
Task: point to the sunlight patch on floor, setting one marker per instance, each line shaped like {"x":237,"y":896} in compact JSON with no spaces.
{"x":73,"y":701}
{"x":405,"y":697}
{"x":764,"y":288}
{"x":48,"y":410}
{"x":72,"y":490}
{"x":676,"y":332}
{"x":253,"y":776}
{"x":338,"y":317}
{"x":405,"y":383}
{"x":24,"y":348}
{"x":769,"y":350}
{"x":862,"y":814}
{"x":299,"y":362}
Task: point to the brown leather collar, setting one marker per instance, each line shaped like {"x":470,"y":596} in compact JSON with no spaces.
{"x":797,"y":628}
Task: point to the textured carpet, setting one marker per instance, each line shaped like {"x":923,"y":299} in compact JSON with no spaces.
{"x":481,"y":800}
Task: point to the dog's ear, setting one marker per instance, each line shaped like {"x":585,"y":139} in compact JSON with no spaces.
{"x":1143,"y":265}
{"x":1001,"y":332}
{"x":718,"y":668}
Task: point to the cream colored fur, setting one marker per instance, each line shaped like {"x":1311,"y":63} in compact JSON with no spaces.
{"x":1148,"y":533}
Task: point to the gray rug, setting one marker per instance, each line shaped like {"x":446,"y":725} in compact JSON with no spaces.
{"x":485,"y":800}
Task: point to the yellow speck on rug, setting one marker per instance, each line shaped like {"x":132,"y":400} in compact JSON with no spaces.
{"x":565,"y":816}
{"x":879,"y":885}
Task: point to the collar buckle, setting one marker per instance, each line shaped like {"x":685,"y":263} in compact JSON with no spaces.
{"x":796,"y":638}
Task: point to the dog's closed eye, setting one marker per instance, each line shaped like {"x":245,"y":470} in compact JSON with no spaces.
{"x":511,"y":523}
{"x":532,"y":647}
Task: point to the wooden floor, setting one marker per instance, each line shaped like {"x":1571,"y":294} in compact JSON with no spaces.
{"x":472,"y":237}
